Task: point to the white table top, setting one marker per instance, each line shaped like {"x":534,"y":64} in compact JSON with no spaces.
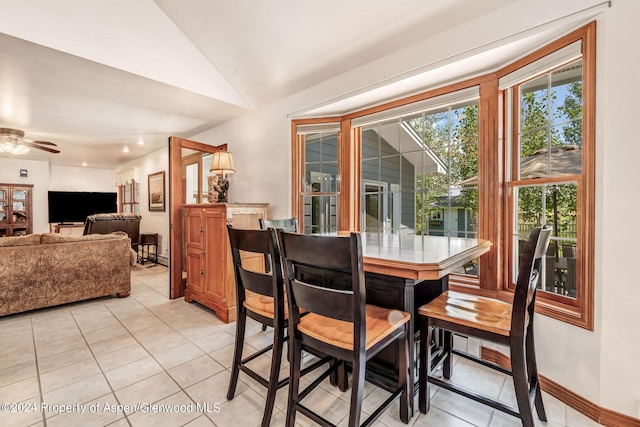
{"x":418,"y":257}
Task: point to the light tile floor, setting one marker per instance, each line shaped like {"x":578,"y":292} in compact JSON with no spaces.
{"x":92,"y":363}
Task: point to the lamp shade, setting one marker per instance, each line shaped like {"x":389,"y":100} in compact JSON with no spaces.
{"x":222,"y":163}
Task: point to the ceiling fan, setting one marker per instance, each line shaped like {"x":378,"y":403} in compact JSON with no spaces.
{"x":12,"y":141}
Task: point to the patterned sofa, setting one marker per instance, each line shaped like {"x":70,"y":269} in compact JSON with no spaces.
{"x":43,"y":270}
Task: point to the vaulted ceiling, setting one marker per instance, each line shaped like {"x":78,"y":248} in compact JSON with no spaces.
{"x":94,"y":76}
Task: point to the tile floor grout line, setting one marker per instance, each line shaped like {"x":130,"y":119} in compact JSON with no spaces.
{"x":113,"y":392}
{"x":180,"y":388}
{"x":35,"y":355}
{"x":173,"y":315}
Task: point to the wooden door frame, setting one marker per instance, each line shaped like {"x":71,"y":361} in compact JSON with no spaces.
{"x":191,"y":159}
{"x":176,"y":198}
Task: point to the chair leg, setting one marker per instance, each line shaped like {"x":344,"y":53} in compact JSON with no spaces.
{"x":276,"y":359}
{"x":403,"y":375}
{"x":521,"y":383}
{"x":339,"y":377}
{"x":532,"y":369}
{"x":447,"y":365}
{"x":264,"y":327}
{"x":241,"y":323}
{"x":424,"y":398}
{"x":333,"y":378}
{"x":295,"y":356}
{"x":343,"y":377}
{"x":357,"y":388}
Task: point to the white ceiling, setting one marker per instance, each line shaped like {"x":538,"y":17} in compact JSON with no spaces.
{"x":94,"y":75}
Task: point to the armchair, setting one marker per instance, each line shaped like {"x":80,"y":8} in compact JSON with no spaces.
{"x":110,"y":222}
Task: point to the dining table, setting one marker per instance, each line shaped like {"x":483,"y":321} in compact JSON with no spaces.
{"x":405,"y":271}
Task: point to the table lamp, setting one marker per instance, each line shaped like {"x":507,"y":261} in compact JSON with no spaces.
{"x":222,"y":164}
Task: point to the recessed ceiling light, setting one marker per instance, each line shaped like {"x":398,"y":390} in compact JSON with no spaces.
{"x":84,"y":163}
{"x":125,"y":149}
{"x":140,"y":141}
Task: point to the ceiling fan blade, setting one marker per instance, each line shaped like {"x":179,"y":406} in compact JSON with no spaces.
{"x":40,"y":147}
{"x":45,"y":143}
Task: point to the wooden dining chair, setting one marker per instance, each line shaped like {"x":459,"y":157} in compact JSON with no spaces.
{"x":286,"y":224}
{"x":324,"y":276}
{"x":259,"y":296}
{"x":491,"y":320}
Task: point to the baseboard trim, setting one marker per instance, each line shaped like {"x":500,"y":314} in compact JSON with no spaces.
{"x":597,"y":413}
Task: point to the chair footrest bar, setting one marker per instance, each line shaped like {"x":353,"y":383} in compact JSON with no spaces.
{"x":376,"y":414}
{"x":256,"y":354}
{"x":481,"y":361}
{"x":254,"y":375}
{"x":317,"y":381}
{"x":474,"y":396}
{"x":315,"y":365}
{"x":313,"y":416}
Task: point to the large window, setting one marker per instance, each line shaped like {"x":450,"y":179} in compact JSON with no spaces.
{"x":547,"y":149}
{"x":414,"y":168}
{"x":490,"y":158}
{"x":318,"y":189}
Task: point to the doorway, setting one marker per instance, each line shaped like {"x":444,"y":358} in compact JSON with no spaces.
{"x":180,"y":149}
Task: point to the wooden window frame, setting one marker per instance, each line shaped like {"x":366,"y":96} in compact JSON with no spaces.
{"x":576,"y":311}
{"x":134,"y":197}
{"x":298,"y":170}
{"x":493,"y":190}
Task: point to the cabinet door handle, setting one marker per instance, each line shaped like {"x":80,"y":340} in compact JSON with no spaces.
{"x":202,"y":272}
{"x":201,"y":230}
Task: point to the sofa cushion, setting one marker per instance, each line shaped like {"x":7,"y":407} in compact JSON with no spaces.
{"x":29,"y":239}
{"x":63,"y":238}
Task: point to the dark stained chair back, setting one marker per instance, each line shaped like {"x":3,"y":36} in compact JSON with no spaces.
{"x":491,"y":320}
{"x":337,"y":321}
{"x":259,"y":296}
{"x":333,"y":256}
{"x":256,"y":241}
{"x":286,"y":224}
{"x":528,"y":276}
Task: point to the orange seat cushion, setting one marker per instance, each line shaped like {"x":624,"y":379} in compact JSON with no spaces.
{"x":263,"y":305}
{"x":478,"y":312}
{"x":380,"y":323}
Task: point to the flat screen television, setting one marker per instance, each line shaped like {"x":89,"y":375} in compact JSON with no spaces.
{"x":75,"y":206}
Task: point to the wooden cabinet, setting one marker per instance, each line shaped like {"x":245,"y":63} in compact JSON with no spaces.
{"x":15,"y":209}
{"x":208,"y":263}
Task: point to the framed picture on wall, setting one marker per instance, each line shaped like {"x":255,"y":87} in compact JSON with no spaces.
{"x":156,"y":192}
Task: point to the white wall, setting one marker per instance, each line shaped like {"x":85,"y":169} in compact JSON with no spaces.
{"x":260,"y":144}
{"x":618,"y":197}
{"x":153,"y":222}
{"x":598,"y":365}
{"x":45,"y":177}
{"x":70,"y":178}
